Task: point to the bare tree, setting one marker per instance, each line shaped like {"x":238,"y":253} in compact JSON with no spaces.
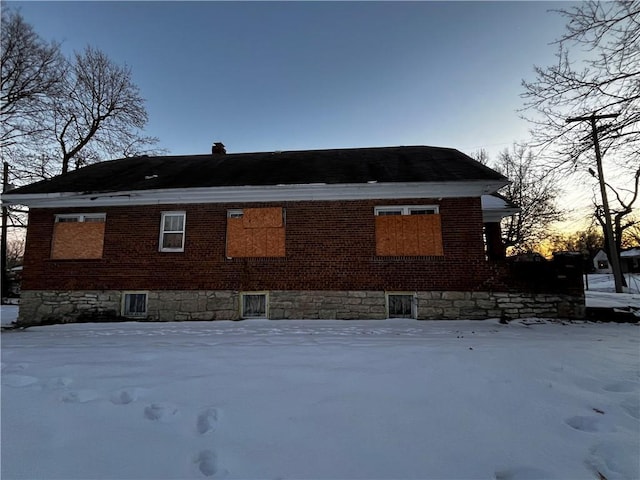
{"x":100,"y":114}
{"x":58,"y":113}
{"x":621,"y":212}
{"x":535,"y":192}
{"x":481,"y":156}
{"x":32,"y":72}
{"x":632,"y":235}
{"x":597,"y":71}
{"x":587,"y":241}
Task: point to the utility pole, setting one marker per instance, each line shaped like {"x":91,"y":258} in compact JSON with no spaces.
{"x":613,"y":250}
{"x":3,"y":238}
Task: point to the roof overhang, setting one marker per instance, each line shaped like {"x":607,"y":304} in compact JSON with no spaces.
{"x":494,"y":209}
{"x":269,"y":193}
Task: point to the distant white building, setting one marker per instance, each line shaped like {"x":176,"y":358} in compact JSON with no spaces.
{"x":601,"y":262}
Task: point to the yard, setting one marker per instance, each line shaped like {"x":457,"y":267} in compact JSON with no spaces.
{"x":393,"y":399}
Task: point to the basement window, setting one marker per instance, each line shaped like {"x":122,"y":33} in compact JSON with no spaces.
{"x":401,"y":305}
{"x":134,"y":304}
{"x":253,"y":305}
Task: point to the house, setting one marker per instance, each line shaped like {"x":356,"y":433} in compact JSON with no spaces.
{"x":366,"y":233}
{"x":601,"y":262}
{"x":630,"y":260}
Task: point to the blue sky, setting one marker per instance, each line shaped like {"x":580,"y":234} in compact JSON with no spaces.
{"x":262,"y":76}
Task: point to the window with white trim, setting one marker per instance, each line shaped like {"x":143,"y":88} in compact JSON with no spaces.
{"x":254,"y":305}
{"x":78,"y":236}
{"x":134,"y":304}
{"x":81,"y":217}
{"x":408,"y":230}
{"x":408,"y":210}
{"x":172,"y":229}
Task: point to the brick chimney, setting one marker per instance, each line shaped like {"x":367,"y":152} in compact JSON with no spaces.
{"x":218,"y":149}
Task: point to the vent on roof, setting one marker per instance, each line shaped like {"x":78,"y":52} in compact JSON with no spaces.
{"x":218,"y":149}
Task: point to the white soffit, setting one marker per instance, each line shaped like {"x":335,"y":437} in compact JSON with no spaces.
{"x":494,"y":209}
{"x":271,"y":193}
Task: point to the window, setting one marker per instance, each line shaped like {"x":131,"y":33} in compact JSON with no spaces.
{"x":256,"y":232}
{"x":401,"y":305}
{"x":82,"y":217}
{"x":134,"y":304}
{"x":172,"y":231}
{"x":78,"y":236}
{"x":254,"y":305}
{"x":408,"y":230}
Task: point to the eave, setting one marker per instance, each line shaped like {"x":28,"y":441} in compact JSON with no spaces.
{"x":271,"y":193}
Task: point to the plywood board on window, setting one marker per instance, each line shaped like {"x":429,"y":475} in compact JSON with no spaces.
{"x":236,"y":238}
{"x":262,"y":217}
{"x":429,"y":234}
{"x":257,"y":242}
{"x":77,"y":240}
{"x":408,"y":242}
{"x":275,"y":242}
{"x":387,"y":228}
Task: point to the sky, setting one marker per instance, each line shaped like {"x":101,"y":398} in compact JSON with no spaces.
{"x":264,"y":76}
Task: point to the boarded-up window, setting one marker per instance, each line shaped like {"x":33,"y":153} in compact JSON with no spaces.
{"x":255,"y":232}
{"x":415,"y":231}
{"x":78,"y":237}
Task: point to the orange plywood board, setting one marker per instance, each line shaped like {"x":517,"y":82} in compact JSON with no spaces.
{"x":257,"y":242}
{"x":236,"y":238}
{"x":386,"y":235}
{"x":262,"y":217}
{"x":408,"y":243}
{"x":275,"y":242}
{"x":430,"y":234}
{"x":77,"y":240}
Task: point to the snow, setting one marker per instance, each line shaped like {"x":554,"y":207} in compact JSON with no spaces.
{"x":322,"y":400}
{"x":8,"y":314}
{"x":601,"y":292}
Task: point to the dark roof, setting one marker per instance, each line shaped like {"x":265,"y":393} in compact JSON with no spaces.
{"x":356,"y":165}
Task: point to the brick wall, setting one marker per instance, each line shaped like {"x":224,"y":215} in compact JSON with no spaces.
{"x":329,"y":246}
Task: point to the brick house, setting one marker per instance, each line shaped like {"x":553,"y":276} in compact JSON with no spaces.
{"x":350,"y":233}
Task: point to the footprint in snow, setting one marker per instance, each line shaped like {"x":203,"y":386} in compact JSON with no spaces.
{"x":80,"y":396}
{"x":160,"y":412}
{"x":207,"y":421}
{"x":124,"y":397}
{"x":207,"y":462}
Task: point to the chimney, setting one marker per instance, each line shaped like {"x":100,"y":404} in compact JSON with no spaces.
{"x":218,"y":149}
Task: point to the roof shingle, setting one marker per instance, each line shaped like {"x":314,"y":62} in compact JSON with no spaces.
{"x":339,"y":166}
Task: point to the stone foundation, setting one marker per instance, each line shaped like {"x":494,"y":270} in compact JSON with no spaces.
{"x":42,"y":307}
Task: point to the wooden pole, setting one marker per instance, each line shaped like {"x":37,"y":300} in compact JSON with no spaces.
{"x":613,"y":250}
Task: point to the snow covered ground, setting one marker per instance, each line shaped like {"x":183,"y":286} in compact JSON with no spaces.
{"x":601,"y":292}
{"x":393,"y":399}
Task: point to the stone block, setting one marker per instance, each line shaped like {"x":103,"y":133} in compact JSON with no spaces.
{"x":454,"y":295}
